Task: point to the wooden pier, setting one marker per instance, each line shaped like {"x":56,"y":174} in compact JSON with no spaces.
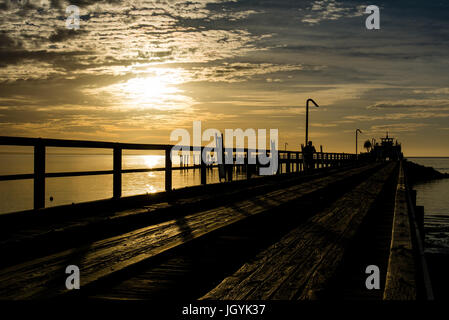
{"x":298,"y":234}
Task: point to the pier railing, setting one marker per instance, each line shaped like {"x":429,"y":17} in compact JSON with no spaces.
{"x":293,"y":161}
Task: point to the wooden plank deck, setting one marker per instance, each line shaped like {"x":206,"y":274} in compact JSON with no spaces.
{"x":190,"y":271}
{"x":299,"y":266}
{"x":45,"y":277}
{"x":47,"y":232}
{"x":371,"y":246}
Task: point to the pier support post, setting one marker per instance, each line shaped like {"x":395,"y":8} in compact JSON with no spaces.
{"x":117,"y":175}
{"x":419,"y":215}
{"x":203,"y":168}
{"x":39,"y":176}
{"x":413,"y":197}
{"x":168,"y":170}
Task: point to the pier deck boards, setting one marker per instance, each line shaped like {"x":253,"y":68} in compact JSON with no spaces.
{"x":36,"y":234}
{"x":45,"y":277}
{"x":299,"y":266}
{"x":371,"y":246}
{"x":192,"y":270}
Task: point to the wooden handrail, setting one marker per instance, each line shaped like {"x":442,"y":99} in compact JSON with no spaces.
{"x":40,"y":174}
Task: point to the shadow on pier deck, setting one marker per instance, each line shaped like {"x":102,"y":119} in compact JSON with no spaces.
{"x":286,"y":237}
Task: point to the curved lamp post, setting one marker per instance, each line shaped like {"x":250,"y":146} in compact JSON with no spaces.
{"x":307,"y":118}
{"x":285,"y":146}
{"x":356,"y":133}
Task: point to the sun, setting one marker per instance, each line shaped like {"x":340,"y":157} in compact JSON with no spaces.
{"x":158,"y":89}
{"x":147,"y":90}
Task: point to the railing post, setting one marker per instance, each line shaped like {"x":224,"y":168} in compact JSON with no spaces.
{"x":39,"y":175}
{"x":117,"y":175}
{"x":288,"y":164}
{"x":279,"y":163}
{"x":248,"y":168}
{"x":297,"y":161}
{"x":321,"y":156}
{"x":203,"y":168}
{"x":168,"y":170}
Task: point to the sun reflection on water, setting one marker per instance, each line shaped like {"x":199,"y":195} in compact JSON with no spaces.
{"x":151,"y":189}
{"x":152,"y":161}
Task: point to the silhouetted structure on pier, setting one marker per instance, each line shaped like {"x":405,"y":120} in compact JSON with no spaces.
{"x":386,"y":150}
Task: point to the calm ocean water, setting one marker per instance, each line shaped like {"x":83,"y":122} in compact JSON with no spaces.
{"x":433,"y":196}
{"x":18,"y":195}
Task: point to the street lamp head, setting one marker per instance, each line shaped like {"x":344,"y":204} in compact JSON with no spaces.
{"x":311,"y":100}
{"x":358,"y":130}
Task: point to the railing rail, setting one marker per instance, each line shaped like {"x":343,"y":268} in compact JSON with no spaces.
{"x":288,"y":157}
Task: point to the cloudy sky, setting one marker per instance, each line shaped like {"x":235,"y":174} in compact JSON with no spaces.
{"x":137,"y":69}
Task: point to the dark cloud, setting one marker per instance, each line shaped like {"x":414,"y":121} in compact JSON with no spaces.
{"x":379,"y":106}
{"x":7,"y":43}
{"x":90,"y":2}
{"x":64,"y":34}
{"x":81,"y":3}
{"x":61,"y":59}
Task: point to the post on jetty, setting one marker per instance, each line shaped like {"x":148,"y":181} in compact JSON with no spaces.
{"x":307,"y":118}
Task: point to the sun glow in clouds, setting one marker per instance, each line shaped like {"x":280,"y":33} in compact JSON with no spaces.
{"x":155,"y":89}
{"x":148,"y":90}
